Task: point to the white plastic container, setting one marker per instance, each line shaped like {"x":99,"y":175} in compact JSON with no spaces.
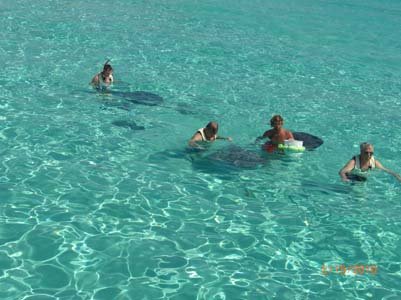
{"x":293,"y":143}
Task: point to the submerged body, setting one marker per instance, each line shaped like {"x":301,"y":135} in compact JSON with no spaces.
{"x":105,"y":78}
{"x":206,"y":135}
{"x":360,"y":166}
{"x":277,"y":135}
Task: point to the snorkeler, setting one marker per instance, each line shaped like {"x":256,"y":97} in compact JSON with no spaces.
{"x":207,"y":134}
{"x":103,"y":79}
{"x":277,"y":134}
{"x":359,"y":167}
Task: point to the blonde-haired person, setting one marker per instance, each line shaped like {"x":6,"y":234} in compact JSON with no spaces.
{"x":277,"y":135}
{"x":359,"y":166}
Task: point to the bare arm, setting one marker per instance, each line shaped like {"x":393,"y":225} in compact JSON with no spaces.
{"x":380,"y":166}
{"x":347,"y":168}
{"x":195,"y":138}
{"x":290,"y":136}
{"x":265,"y":135}
{"x":95,"y":80}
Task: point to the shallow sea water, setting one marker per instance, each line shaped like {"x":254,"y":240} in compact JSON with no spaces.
{"x":99,"y":198}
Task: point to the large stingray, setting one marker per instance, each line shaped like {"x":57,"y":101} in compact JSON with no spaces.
{"x":241,"y":158}
{"x":140,"y":97}
{"x":310,"y":141}
{"x":325,"y":188}
{"x":127,"y":124}
{"x":235,"y":156}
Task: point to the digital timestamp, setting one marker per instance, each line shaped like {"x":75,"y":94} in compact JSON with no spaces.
{"x":346,"y":270}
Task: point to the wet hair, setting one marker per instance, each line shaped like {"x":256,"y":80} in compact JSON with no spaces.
{"x":275,"y":118}
{"x":213,"y":126}
{"x":107,"y":67}
{"x":365,"y":145}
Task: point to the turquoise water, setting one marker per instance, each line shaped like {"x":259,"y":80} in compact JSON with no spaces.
{"x":91,"y":210}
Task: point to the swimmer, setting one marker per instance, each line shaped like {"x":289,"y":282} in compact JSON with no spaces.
{"x":105,"y":78}
{"x":359,"y":167}
{"x":277,"y":135}
{"x":207,"y":134}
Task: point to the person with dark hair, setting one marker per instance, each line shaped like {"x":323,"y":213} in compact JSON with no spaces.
{"x":277,"y":135}
{"x":207,"y":134}
{"x":359,"y":167}
{"x":105,"y":78}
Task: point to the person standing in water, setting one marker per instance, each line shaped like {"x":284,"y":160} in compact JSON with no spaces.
{"x":359,"y":167}
{"x":277,"y":134}
{"x":207,"y":134}
{"x":103,"y":79}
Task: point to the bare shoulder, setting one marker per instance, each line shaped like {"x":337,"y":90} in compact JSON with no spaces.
{"x":196,"y":137}
{"x":268,"y":133}
{"x":351,"y":162}
{"x":95,"y":79}
{"x":378,"y":164}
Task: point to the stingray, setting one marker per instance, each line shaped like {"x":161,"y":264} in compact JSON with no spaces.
{"x":237,"y":157}
{"x":140,"y":97}
{"x":310,"y":141}
{"x":326,"y":188}
{"x":111,"y":105}
{"x":185,"y":110}
{"x":128,"y":124}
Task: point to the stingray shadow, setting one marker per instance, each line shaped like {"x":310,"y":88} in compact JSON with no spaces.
{"x":325,"y":188}
{"x":128,"y":124}
{"x":139,"y":97}
{"x":228,"y":159}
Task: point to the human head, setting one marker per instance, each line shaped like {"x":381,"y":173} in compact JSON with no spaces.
{"x":276,"y":121}
{"x":212,"y":127}
{"x":366,"y":149}
{"x":107,"y":69}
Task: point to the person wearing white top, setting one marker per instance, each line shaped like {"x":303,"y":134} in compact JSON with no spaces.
{"x":359,"y":167}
